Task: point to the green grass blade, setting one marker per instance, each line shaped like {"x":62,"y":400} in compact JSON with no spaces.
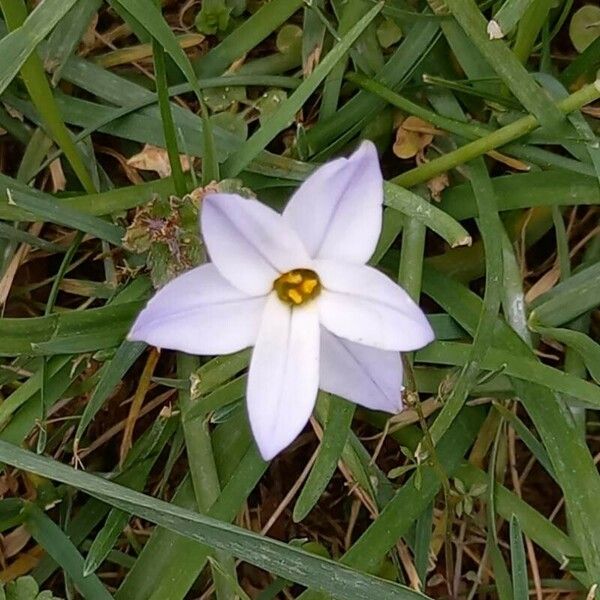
{"x":335,"y":434}
{"x":568,"y":299}
{"x":55,"y":212}
{"x":507,"y":17}
{"x":58,"y":545}
{"x":19,"y":44}
{"x":287,"y":561}
{"x":412,"y":205}
{"x":112,"y":373}
{"x":518,"y":561}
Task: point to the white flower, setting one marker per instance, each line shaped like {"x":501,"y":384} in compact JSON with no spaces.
{"x":296,"y":287}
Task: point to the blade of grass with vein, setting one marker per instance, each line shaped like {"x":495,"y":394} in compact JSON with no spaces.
{"x":160,"y":72}
{"x":58,"y":545}
{"x":335,"y":434}
{"x":10,"y":232}
{"x":524,"y":190}
{"x":112,"y":373}
{"x":55,"y":212}
{"x":63,"y":41}
{"x":518,"y":562}
{"x":507,"y":17}
{"x":524,"y":368}
{"x":157,"y":437}
{"x":586,"y":348}
{"x":203,"y":470}
{"x":93,"y":511}
{"x":19,"y":44}
{"x":529,"y":28}
{"x":285,"y":113}
{"x":287,"y":561}
{"x":412,"y":205}
{"x":568,"y":299}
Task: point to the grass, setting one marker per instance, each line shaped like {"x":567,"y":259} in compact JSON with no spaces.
{"x":131,"y":474}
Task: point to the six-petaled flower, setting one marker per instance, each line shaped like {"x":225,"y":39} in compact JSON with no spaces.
{"x":296,"y":287}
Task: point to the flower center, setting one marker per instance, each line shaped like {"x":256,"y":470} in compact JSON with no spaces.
{"x":297,"y":287}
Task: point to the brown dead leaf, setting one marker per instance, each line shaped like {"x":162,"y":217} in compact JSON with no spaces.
{"x":153,"y":158}
{"x":59,"y":181}
{"x":543,"y":284}
{"x":593,"y":111}
{"x":312,"y":60}
{"x":412,"y":137}
{"x":509,"y":161}
{"x":23,"y":565}
{"x":15,"y":541}
{"x":437,"y":185}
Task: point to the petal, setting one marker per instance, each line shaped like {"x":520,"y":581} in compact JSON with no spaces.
{"x":362,"y":374}
{"x":337,"y":211}
{"x":362,"y":305}
{"x":249,"y":242}
{"x":200,"y":312}
{"x":284,"y":374}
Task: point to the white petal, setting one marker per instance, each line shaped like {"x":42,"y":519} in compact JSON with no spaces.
{"x":362,"y":305}
{"x":284,"y":374}
{"x":249,"y":242}
{"x":362,"y":374}
{"x":200,"y":312}
{"x":337,"y":211}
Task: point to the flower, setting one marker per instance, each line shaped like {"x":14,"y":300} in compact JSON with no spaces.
{"x":296,"y":287}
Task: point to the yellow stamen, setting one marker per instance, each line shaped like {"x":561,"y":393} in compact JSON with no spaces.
{"x":297,"y":287}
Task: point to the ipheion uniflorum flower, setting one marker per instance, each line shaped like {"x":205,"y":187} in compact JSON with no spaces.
{"x":296,"y":287}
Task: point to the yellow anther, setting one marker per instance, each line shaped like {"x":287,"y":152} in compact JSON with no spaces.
{"x":308,"y":285}
{"x":297,"y":287}
{"x":295,"y":296}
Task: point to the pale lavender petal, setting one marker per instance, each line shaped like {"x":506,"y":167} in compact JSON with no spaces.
{"x":249,"y":243}
{"x":337,"y":211}
{"x":362,"y":374}
{"x":284,"y":375}
{"x":200,"y":312}
{"x":362,"y":305}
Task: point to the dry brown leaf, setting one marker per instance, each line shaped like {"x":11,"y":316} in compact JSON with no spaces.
{"x":153,"y":158}
{"x":593,"y":111}
{"x":412,"y":137}
{"x":15,"y":541}
{"x":23,"y":565}
{"x":59,"y":181}
{"x":542,"y":285}
{"x":312,"y":60}
{"x":509,"y":161}
{"x":437,"y":185}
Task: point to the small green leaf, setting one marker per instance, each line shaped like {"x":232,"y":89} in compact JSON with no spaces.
{"x":213,"y":17}
{"x":289,"y":38}
{"x":585,"y":27}
{"x":388,"y":33}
